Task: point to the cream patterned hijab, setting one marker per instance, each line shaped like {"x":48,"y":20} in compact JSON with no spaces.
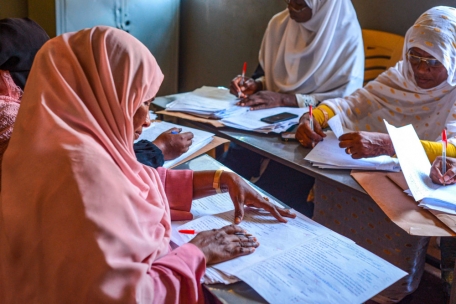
{"x":323,"y":56}
{"x":395,"y":96}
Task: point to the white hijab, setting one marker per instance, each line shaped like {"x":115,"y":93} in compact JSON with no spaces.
{"x":323,"y":56}
{"x":395,"y":96}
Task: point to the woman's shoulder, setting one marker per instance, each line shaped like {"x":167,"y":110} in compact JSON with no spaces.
{"x":279,"y":18}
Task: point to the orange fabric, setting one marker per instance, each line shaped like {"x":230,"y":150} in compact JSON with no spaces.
{"x":83,"y":220}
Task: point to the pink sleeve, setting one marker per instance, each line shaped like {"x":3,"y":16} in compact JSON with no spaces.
{"x":176,"y":276}
{"x":180,"y":201}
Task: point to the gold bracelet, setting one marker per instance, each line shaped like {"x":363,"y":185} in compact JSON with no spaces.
{"x":326,"y":116}
{"x":216,"y":183}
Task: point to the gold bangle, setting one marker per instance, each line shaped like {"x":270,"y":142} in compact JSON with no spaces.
{"x":325,"y":115}
{"x":216,"y":183}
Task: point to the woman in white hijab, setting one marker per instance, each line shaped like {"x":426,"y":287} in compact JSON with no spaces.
{"x":311,"y":51}
{"x":419,"y":90}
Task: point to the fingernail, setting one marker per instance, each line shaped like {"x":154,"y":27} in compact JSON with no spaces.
{"x":446,"y":178}
{"x":237,"y":220}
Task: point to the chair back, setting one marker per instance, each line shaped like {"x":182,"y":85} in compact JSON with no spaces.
{"x":382,"y":50}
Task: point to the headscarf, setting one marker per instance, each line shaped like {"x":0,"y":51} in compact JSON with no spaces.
{"x":323,"y":56}
{"x":396,"y":97}
{"x":72,"y":187}
{"x":10,"y":98}
{"x":20,"y":39}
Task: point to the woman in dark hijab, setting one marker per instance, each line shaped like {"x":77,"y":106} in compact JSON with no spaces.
{"x":20,"y":39}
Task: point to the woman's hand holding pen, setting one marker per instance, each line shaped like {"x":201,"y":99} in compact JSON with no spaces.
{"x":226,"y":243}
{"x":243,"y":87}
{"x":304,"y":133}
{"x":172,"y":143}
{"x":449,"y":177}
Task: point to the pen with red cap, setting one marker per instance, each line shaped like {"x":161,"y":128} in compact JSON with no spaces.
{"x":244,"y":69}
{"x":444,"y":148}
{"x":311,"y":119}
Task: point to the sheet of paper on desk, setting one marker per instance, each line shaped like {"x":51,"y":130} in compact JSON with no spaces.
{"x":412,"y":157}
{"x":200,"y":138}
{"x":207,"y":102}
{"x":327,"y":154}
{"x":251,"y":120}
{"x":301,"y":261}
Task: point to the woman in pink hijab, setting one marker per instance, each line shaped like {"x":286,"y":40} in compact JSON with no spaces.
{"x":82,"y":220}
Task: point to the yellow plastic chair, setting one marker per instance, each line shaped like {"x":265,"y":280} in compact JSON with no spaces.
{"x":382,"y":50}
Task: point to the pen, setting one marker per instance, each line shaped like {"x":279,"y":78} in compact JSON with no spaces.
{"x":244,"y":69}
{"x":444,"y":147}
{"x":188,"y":231}
{"x":311,"y":119}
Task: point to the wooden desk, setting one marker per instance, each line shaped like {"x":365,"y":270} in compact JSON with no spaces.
{"x":340,"y":204}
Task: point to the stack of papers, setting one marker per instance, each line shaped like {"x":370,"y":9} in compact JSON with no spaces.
{"x":251,"y":120}
{"x":200,"y":138}
{"x":328,"y":155}
{"x":207,"y":102}
{"x":416,"y":168}
{"x":298,"y":262}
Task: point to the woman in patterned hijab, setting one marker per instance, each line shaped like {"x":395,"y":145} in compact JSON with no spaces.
{"x":419,"y":90}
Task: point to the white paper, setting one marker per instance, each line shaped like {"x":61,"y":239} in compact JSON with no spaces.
{"x":200,"y":138}
{"x":414,"y":163}
{"x":300,"y":262}
{"x":322,"y":270}
{"x":336,"y":126}
{"x":251,"y":120}
{"x":442,"y":199}
{"x":328,"y":154}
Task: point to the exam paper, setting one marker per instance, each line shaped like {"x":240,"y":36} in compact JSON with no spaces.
{"x":413,"y":160}
{"x":298,"y":262}
{"x":200,"y":138}
{"x":327,"y":154}
{"x":326,"y":269}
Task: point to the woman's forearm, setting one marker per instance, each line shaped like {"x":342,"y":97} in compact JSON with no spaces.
{"x":203,"y":183}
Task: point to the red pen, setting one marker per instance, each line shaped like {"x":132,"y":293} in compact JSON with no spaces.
{"x":188,"y":231}
{"x":311,"y":120}
{"x":244,"y":69}
{"x":444,"y":147}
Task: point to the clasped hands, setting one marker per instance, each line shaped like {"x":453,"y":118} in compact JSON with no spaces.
{"x":360,"y":144}
{"x":252,"y":95}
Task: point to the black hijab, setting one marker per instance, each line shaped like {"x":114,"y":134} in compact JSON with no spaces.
{"x":20,"y":39}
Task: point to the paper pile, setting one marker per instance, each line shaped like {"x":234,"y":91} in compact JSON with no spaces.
{"x":251,"y":120}
{"x":416,"y":168}
{"x":207,"y":102}
{"x":328,"y":155}
{"x":200,"y":138}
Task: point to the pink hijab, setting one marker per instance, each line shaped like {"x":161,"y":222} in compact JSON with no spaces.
{"x":10,"y":98}
{"x":72,"y":187}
